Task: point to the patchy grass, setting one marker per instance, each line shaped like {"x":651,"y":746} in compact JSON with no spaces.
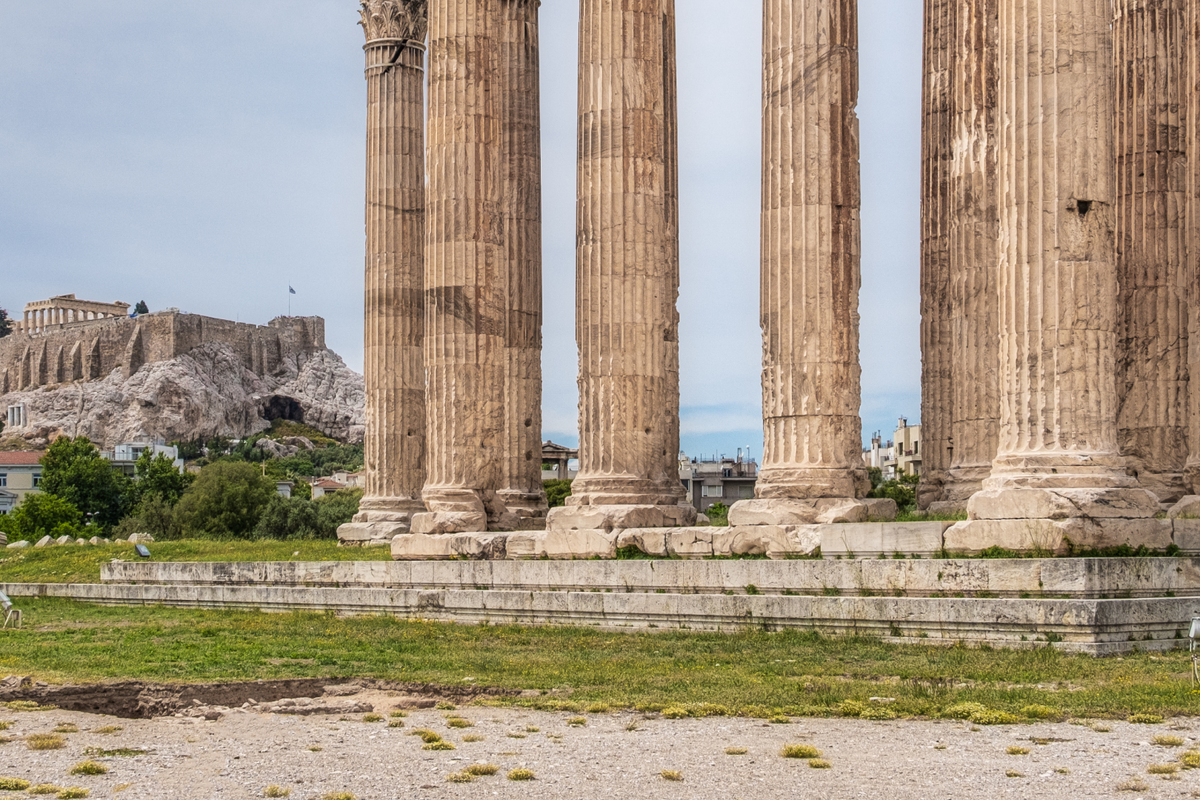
{"x":427,"y":736}
{"x":67,"y":727}
{"x":482,"y":770}
{"x":459,"y":722}
{"x":88,"y":767}
{"x":819,"y":763}
{"x":577,"y":722}
{"x":800,"y":751}
{"x":73,"y":793}
{"x":108,"y":730}
{"x":521,"y":774}
{"x":1190,"y":760}
{"x":1167,"y":740}
{"x":338,"y":796}
{"x":14,"y":784}
{"x":1145,"y":719}
{"x":441,"y":744}
{"x":45,"y":788}
{"x":82,"y":564}
{"x":460,"y":777}
{"x":473,"y":737}
{"x":736,"y":751}
{"x":274,"y":790}
{"x":1162,"y":769}
{"x":793,"y":673}
{"x":1133,"y":785}
{"x":671,"y":775}
{"x":1013,"y":750}
{"x":45,"y":741}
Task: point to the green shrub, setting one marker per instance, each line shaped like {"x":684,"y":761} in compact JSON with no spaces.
{"x":1145,"y":719}
{"x":42,"y":514}
{"x":963,"y":710}
{"x":557,"y":492}
{"x":993,"y":717}
{"x":225,"y":502}
{"x":1039,"y":712}
{"x":878,"y":712}
{"x":14,"y":784}
{"x":520,"y":775}
{"x":89,"y":767}
{"x":800,"y":751}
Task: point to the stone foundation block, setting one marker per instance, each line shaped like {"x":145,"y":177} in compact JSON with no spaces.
{"x":610,"y":518}
{"x":690,"y":543}
{"x":948,"y":507}
{"x":1188,"y":507}
{"x":423,"y":547}
{"x":872,"y":540}
{"x":1186,"y":535}
{"x":881,"y":509}
{"x":797,"y":512}
{"x":1021,"y":504}
{"x":651,"y":541}
{"x":578,"y":545}
{"x":443,"y":522}
{"x":370,"y":534}
{"x":1058,"y":537}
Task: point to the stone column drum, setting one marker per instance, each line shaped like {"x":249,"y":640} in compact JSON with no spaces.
{"x":1058,"y":480}
{"x":1152,"y":371}
{"x":812,"y":465}
{"x":1191,"y":78}
{"x":395,"y":304}
{"x":627,"y":273}
{"x":466,"y":306}
{"x":521,"y":170}
{"x":937,"y":143}
{"x":974,"y":223}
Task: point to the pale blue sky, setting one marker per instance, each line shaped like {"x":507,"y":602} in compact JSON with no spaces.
{"x":206,"y":155}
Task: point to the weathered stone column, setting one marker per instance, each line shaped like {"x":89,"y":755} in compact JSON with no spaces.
{"x":812,"y":464}
{"x":974,"y":222}
{"x":937,"y":144}
{"x":1058,"y":475}
{"x":521,"y":172}
{"x":393,"y":362}
{"x":1191,"y":77}
{"x":627,"y":276}
{"x":465,"y":272}
{"x":1152,"y":371}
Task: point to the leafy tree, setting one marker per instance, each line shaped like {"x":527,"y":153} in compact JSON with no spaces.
{"x":718,"y":515}
{"x":141,"y":308}
{"x":337,"y":509}
{"x":876,"y":476}
{"x":225,"y":501}
{"x":6,"y":324}
{"x":74,"y":470}
{"x":157,"y":475}
{"x":41,"y":514}
{"x":557,"y":492}
{"x":154,"y":516}
{"x":189,"y":451}
{"x":290,"y":518}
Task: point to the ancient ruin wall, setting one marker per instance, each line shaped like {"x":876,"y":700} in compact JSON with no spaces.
{"x":92,"y":351}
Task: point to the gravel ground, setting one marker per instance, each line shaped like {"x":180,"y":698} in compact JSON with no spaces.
{"x":620,"y":755}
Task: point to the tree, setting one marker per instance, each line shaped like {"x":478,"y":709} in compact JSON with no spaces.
{"x":157,"y":475}
{"x":153,"y":516}
{"x":141,"y":308}
{"x":6,"y":324}
{"x":225,"y":501}
{"x":557,"y":492}
{"x":74,"y":470}
{"x":337,"y":509}
{"x":41,"y":514}
{"x":289,"y":518}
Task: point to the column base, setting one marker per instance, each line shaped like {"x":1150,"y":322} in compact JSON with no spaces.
{"x":964,"y":482}
{"x":1062,"y":503}
{"x":526,"y":505}
{"x":379,"y":520}
{"x":457,"y":510}
{"x":1061,"y":537}
{"x":370,"y":534}
{"x":931,"y":489}
{"x":619,"y":517}
{"x":1168,"y":487}
{"x":791,"y":511}
{"x":807,"y":483}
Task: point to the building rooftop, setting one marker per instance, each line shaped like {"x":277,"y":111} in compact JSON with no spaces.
{"x":20,"y":458}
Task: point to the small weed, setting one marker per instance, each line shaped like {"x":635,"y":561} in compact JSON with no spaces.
{"x":736,"y":751}
{"x":473,"y":737}
{"x":441,"y":744}
{"x":338,"y":796}
{"x":1039,"y":712}
{"x":459,"y":722}
{"x":427,"y":736}
{"x":1012,"y":773}
{"x":598,"y":708}
{"x":779,"y":719}
{"x":577,"y":722}
{"x":819,"y":763}
{"x":67,"y":727}
{"x":45,"y":741}
{"x":520,"y":774}
{"x":276,"y":791}
{"x":372,"y":718}
{"x":1167,"y":740}
{"x":14,"y":784}
{"x":25,"y":705}
{"x":964,"y":710}
{"x":89,"y":767}
{"x":878,"y":713}
{"x":800,"y":751}
{"x":752,"y":589}
{"x":993,"y":717}
{"x":1162,"y":769}
{"x":6,"y":724}
{"x":513,"y":735}
{"x":1100,"y":728}
{"x":109,"y":729}
{"x":1133,"y":785}
{"x":1013,"y":750}
{"x":1190,"y":760}
{"x":444,"y":706}
{"x":1062,"y":771}
{"x":632,"y":727}
{"x":73,"y":793}
{"x":460,"y":777}
{"x":939,"y":747}
{"x":316,"y":748}
{"x":671,"y":775}
{"x":1145,"y":719}
{"x":120,"y":787}
{"x":45,"y":788}
{"x":482,"y":770}
{"x":396,"y":723}
{"x":398,"y":714}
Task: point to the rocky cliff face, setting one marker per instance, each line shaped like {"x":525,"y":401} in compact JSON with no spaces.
{"x":204,"y":393}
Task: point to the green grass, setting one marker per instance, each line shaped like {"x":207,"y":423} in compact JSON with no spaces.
{"x":82,"y":564}
{"x":761,"y":674}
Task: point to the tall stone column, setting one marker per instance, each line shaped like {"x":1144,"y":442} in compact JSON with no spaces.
{"x":1058,"y":479}
{"x":812,"y":461}
{"x":393,"y":361}
{"x":521,"y":171}
{"x":627,"y":279}
{"x":466,"y":304}
{"x":974,"y":222}
{"x":1152,"y":371}
{"x":1191,"y":78}
{"x":937,"y":143}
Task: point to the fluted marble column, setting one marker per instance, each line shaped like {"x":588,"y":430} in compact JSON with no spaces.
{"x":1191,"y":78}
{"x":1150,"y":49}
{"x":627,"y":279}
{"x":521,"y":485}
{"x":974,"y":222}
{"x":393,"y":363}
{"x":1058,"y":461}
{"x":466,"y":305}
{"x":812,"y":466}
{"x":937,"y":142}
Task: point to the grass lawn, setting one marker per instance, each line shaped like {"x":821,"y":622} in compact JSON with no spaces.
{"x":756,"y":674}
{"x":81,"y":564}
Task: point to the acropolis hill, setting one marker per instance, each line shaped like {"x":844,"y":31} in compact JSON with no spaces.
{"x":174,"y":376}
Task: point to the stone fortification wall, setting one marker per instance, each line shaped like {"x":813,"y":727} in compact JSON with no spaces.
{"x":93,"y":351}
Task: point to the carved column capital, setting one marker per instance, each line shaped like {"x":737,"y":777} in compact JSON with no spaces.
{"x":395,"y":19}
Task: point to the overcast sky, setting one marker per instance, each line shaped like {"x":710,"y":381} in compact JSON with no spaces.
{"x":207,"y":155}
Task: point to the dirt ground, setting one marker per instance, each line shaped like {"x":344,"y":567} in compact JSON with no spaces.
{"x":617,"y":755}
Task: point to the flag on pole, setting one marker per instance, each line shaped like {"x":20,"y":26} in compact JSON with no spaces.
{"x":291,"y":290}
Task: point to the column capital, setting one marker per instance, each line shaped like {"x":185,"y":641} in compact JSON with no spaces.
{"x":395,"y":19}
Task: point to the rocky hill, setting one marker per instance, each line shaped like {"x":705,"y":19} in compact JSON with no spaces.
{"x":205,"y":392}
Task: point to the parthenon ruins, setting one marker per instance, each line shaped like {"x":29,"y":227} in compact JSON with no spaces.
{"x":1057,"y":273}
